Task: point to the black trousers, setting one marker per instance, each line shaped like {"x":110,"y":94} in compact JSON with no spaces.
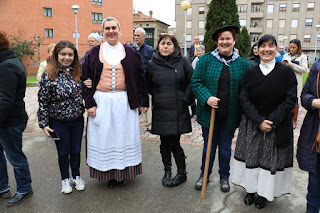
{"x":171,"y":142}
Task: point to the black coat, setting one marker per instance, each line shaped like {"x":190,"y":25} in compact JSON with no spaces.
{"x":168,"y":81}
{"x":306,"y":157}
{"x":254,"y":60}
{"x":12,"y":90}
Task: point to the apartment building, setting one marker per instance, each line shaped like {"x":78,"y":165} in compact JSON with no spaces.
{"x":151,"y":25}
{"x":284,"y":19}
{"x":54,"y":20}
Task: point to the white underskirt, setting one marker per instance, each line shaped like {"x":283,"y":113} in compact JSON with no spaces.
{"x":261,"y":181}
{"x":113,"y":136}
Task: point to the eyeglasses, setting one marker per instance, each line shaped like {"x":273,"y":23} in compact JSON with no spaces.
{"x":170,"y":34}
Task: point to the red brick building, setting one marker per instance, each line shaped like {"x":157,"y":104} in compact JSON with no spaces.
{"x":54,"y":20}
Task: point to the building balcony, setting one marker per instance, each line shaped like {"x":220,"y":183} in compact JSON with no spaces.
{"x":256,"y":14}
{"x":256,"y":29}
{"x":257,"y":1}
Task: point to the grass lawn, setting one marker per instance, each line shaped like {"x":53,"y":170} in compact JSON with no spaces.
{"x":31,"y":79}
{"x":304,"y":75}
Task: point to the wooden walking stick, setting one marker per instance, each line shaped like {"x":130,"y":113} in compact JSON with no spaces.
{"x":206,"y":168}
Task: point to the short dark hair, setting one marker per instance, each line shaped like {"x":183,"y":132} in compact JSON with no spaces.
{"x":232,"y":31}
{"x":298,"y":43}
{"x":266,"y":38}
{"x":4,"y":41}
{"x":173,"y":39}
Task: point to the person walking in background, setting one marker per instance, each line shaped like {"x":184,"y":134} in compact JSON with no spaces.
{"x":61,"y":111}
{"x":253,"y":55}
{"x":13,"y":121}
{"x":216,"y":84}
{"x":263,"y":158}
{"x":200,"y":50}
{"x":193,"y":47}
{"x":168,"y":76}
{"x":43,"y":64}
{"x":146,"y":52}
{"x":113,"y":101}
{"x":93,"y":40}
{"x":308,"y":152}
{"x":299,"y":63}
{"x":281,"y":53}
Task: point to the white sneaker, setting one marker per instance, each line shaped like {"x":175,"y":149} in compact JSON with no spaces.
{"x":66,"y":188}
{"x":79,"y":184}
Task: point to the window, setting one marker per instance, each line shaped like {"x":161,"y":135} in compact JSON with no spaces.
{"x":188,"y":38}
{"x":292,"y":36}
{"x":255,"y":8}
{"x":309,"y":22}
{"x":189,"y":24}
{"x":282,"y":23}
{"x":47,"y":12}
{"x":307,"y":38}
{"x":310,"y":6}
{"x":294,"y":23}
{"x":141,"y":25}
{"x":270,"y":8}
{"x":254,"y":38}
{"x":295,"y":7}
{"x":201,"y":10}
{"x":201,"y":24}
{"x":201,"y":37}
{"x":96,"y":17}
{"x":254,"y":23}
{"x":280,"y":37}
{"x":189,"y":11}
{"x":318,"y":38}
{"x":98,"y":2}
{"x":147,"y":24}
{"x":269,"y":23}
{"x":48,"y":33}
{"x":283,"y":7}
{"x":242,"y":8}
{"x":243,"y":22}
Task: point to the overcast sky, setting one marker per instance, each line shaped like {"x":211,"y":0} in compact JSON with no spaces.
{"x":163,"y":10}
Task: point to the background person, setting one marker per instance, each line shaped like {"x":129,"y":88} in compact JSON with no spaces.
{"x":216,"y":84}
{"x":253,"y":55}
{"x":93,"y":40}
{"x":43,"y":64}
{"x":263,"y":158}
{"x":299,"y":63}
{"x":13,"y":121}
{"x":168,"y":76}
{"x":118,"y":91}
{"x":146,"y":52}
{"x":308,"y":152}
{"x":61,"y":110}
{"x":281,"y":53}
{"x":192,"y":50}
{"x":201,"y":50}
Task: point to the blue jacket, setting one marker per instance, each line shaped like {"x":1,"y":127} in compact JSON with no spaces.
{"x":191,"y":52}
{"x":280,"y":57}
{"x":146,"y":52}
{"x":307,"y":157}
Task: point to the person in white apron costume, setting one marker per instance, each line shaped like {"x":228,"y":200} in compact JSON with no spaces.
{"x":113,"y":101}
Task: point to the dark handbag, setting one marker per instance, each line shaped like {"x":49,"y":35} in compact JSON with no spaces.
{"x":295,"y":62}
{"x":284,"y":131}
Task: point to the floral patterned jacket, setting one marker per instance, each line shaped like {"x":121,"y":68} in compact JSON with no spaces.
{"x":59,"y":99}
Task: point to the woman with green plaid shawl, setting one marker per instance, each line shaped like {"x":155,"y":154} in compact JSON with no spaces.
{"x":216,"y":84}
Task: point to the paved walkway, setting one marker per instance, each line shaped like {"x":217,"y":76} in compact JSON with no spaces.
{"x":194,"y":137}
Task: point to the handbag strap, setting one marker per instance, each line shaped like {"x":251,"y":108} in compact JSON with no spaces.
{"x":316,"y":143}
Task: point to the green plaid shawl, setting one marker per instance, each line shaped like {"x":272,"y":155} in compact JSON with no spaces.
{"x":205,"y":80}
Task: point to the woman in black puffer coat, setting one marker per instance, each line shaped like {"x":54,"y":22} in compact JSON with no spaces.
{"x":168,"y":76}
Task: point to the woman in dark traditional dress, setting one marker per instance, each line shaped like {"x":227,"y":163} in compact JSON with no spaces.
{"x":263,"y":158}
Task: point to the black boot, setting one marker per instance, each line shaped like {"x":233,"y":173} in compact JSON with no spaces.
{"x":181,"y":177}
{"x":166,"y":159}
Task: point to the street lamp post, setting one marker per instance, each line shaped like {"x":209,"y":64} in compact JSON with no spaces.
{"x":285,"y":38}
{"x":315,"y":48}
{"x":185,"y":5}
{"x":75,"y":9}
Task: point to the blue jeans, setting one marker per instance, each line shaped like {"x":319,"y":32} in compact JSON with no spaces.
{"x":222,"y":137}
{"x":11,"y":144}
{"x":313,"y":196}
{"x":69,"y":145}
